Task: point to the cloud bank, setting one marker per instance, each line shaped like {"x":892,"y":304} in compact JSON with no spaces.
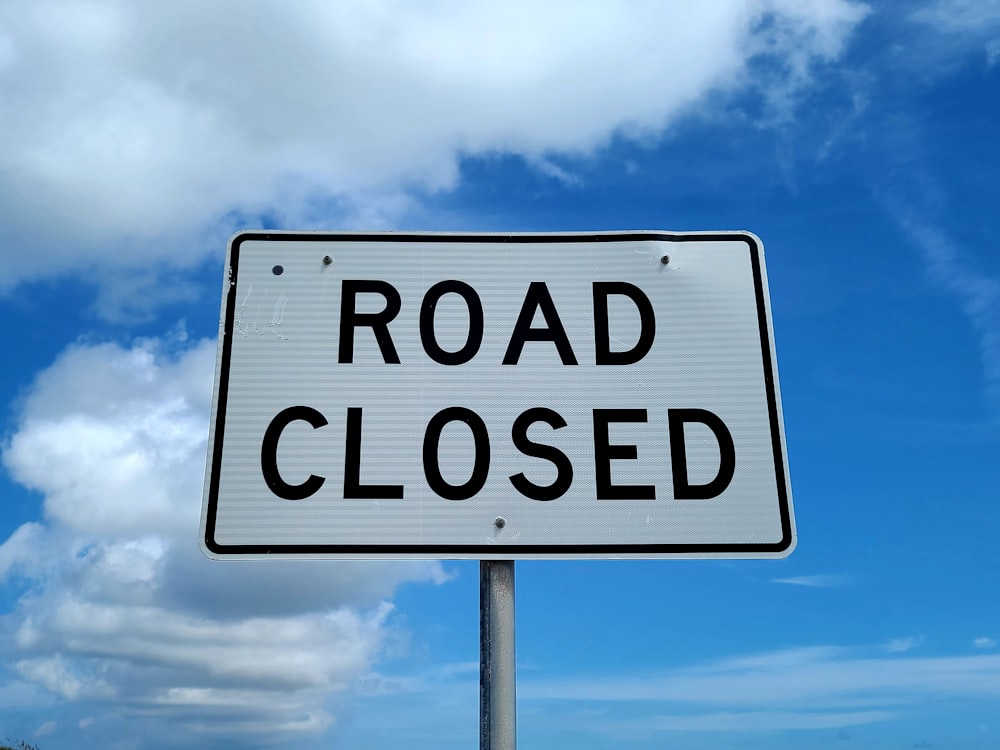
{"x":738,"y":699}
{"x":120,"y":612}
{"x":164,"y":124}
{"x":815,"y":688}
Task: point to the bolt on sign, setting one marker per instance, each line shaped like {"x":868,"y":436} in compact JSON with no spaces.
{"x":496,"y":396}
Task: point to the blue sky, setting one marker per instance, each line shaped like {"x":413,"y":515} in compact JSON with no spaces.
{"x":858,"y":141}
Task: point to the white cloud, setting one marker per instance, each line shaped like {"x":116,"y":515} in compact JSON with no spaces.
{"x":113,"y":438}
{"x":960,"y":15}
{"x":55,"y":675}
{"x":17,"y":554}
{"x":961,"y":26}
{"x":148,"y":127}
{"x":814,"y":581}
{"x":977,"y":292}
{"x":812,"y":688}
{"x":121,"y":610}
{"x":984,"y":642}
{"x":255,"y":652}
{"x":793,"y":678}
{"x":749,"y":721}
{"x":902,"y":645}
{"x":992,"y":52}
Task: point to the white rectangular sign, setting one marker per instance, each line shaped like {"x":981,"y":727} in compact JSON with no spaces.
{"x":496,"y":397}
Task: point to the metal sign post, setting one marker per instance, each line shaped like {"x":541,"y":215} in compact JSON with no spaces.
{"x":574,"y":395}
{"x":497,"y":714}
{"x":522,"y":396}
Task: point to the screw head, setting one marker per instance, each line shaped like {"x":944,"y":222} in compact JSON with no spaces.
{"x":327,"y":260}
{"x":664,"y":259}
{"x":500,"y":522}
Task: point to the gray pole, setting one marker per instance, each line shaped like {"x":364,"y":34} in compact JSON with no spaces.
{"x":497,"y":715}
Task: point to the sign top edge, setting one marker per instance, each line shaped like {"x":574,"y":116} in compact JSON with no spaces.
{"x":262,"y":235}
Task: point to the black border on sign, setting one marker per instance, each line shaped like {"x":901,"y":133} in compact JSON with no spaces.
{"x":513,"y":551}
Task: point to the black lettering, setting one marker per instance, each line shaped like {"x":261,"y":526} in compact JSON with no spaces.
{"x":683,"y":490}
{"x":564,"y":468}
{"x":353,"y":489}
{"x":350,"y":318}
{"x":475,"y":338}
{"x":269,"y":453}
{"x":538,"y":298}
{"x":481,"y":466}
{"x":602,"y":335}
{"x":604,"y":453}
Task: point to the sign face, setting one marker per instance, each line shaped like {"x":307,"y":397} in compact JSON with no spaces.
{"x":496,"y":397}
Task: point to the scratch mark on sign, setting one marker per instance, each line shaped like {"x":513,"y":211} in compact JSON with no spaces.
{"x":240,"y":322}
{"x":279,"y":310}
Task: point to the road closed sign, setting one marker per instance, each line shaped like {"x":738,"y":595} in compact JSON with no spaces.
{"x":496,"y":396}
